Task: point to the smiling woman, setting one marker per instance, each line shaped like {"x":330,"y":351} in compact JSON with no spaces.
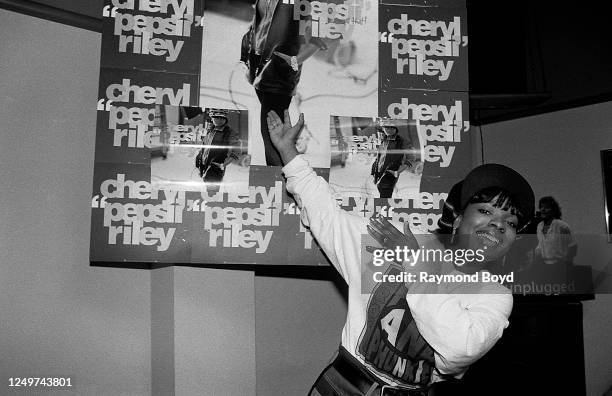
{"x":485,"y":211}
{"x":403,"y":336}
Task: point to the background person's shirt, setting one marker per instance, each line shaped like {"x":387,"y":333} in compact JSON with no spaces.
{"x":553,"y":246}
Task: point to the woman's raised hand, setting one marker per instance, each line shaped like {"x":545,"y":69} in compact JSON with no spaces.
{"x":390,"y":237}
{"x":284,"y":135}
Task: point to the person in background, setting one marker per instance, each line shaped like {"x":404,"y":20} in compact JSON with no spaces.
{"x":556,"y":245}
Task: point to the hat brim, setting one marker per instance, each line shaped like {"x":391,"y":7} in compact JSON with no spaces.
{"x":497,"y":175}
{"x":390,"y":126}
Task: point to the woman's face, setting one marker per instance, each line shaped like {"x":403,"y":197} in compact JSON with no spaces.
{"x":484,"y":226}
{"x":546,"y":211}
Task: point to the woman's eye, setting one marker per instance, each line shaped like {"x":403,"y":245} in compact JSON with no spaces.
{"x":484,"y":211}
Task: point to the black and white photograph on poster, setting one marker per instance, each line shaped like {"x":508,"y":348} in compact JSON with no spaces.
{"x":305,"y":56}
{"x":200,"y":148}
{"x":374,"y":158}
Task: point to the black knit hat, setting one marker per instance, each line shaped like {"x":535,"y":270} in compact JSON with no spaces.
{"x":496,"y":175}
{"x":218,"y":113}
{"x":481,"y":177}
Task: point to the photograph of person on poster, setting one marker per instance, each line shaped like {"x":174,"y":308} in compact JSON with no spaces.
{"x":221,"y":147}
{"x":420,"y":337}
{"x":199,"y":146}
{"x":356,"y":151}
{"x":335,"y":54}
{"x":274,"y":51}
{"x":391,"y":159}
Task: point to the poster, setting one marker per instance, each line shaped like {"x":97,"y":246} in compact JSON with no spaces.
{"x":364,"y":154}
{"x":173,"y":185}
{"x":340,"y":78}
{"x":423,"y":48}
{"x":200,"y":147}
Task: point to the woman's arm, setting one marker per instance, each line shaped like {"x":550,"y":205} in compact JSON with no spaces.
{"x":337,"y":231}
{"x":460,"y":328}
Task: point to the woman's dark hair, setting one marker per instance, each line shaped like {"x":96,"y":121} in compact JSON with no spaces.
{"x":450,"y":210}
{"x":496,"y":196}
{"x":554,"y":205}
{"x":499,"y":198}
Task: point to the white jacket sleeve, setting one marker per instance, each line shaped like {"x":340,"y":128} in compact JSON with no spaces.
{"x":337,"y":231}
{"x":461,"y":328}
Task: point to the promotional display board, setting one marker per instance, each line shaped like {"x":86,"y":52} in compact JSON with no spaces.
{"x":184,"y":168}
{"x":423,"y":48}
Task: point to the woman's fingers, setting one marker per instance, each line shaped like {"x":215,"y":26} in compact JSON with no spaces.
{"x":293,"y":131}
{"x":407,"y":230}
{"x":273,"y":118}
{"x":300,"y":123}
{"x":287,"y":118}
{"x":385,"y":227}
{"x":385,"y":239}
{"x":388,"y":236}
{"x":375,"y":234}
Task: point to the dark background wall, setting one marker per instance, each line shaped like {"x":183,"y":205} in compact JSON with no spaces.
{"x":559,"y":154}
{"x":530,"y":57}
